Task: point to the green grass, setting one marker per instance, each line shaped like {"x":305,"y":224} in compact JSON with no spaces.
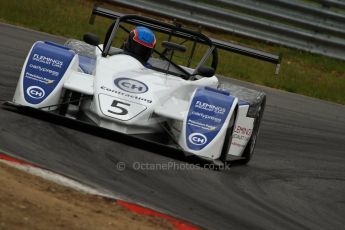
{"x":301,"y":72}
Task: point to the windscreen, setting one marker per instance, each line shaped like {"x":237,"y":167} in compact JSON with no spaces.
{"x":160,"y":59}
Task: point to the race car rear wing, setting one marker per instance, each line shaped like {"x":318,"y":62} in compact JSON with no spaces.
{"x":188,"y":34}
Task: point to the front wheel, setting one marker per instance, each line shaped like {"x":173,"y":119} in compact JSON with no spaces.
{"x":63,"y":107}
{"x":69,"y":98}
{"x":249,"y":150}
{"x":228,"y":137}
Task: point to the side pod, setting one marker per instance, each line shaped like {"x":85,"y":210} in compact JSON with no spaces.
{"x":205,"y":125}
{"x":46,"y":68}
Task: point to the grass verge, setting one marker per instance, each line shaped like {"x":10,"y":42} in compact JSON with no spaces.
{"x":304,"y":73}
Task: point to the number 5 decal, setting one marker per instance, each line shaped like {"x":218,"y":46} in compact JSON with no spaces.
{"x":119,"y":106}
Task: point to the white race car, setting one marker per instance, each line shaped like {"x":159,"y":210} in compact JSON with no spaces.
{"x":159,"y":100}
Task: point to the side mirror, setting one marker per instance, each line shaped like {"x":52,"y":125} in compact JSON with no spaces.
{"x":205,"y":71}
{"x":173,"y":46}
{"x":91,"y":39}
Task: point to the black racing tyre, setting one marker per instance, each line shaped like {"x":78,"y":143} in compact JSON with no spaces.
{"x":69,"y":98}
{"x":249,"y":150}
{"x":64,"y":102}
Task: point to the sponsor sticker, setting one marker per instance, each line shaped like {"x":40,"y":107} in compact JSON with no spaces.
{"x":243,"y":130}
{"x":117,"y":92}
{"x":38,"y":78}
{"x":238,"y":145}
{"x":206,"y":116}
{"x":131,"y":85}
{"x":197,"y":138}
{"x":209,"y":107}
{"x":47,"y":60}
{"x":242,"y":133}
{"x":47,"y":64}
{"x":35,"y":92}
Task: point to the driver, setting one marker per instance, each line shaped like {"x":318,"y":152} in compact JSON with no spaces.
{"x":140,"y":43}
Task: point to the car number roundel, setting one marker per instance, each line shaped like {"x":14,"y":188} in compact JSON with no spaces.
{"x":119,"y":108}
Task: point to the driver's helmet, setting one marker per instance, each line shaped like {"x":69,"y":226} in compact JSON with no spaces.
{"x":140,"y":43}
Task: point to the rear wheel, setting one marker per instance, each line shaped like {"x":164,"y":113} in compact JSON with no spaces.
{"x":249,"y":150}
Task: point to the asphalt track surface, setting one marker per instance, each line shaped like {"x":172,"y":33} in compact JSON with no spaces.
{"x":295,"y":181}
